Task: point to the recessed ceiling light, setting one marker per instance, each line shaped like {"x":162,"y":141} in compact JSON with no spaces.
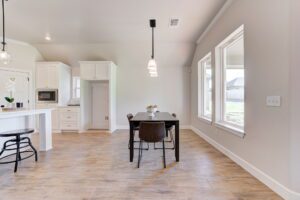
{"x":48,"y":38}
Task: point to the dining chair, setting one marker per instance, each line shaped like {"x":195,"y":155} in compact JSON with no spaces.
{"x":169,"y":129}
{"x":135,"y":128}
{"x":152,"y":132}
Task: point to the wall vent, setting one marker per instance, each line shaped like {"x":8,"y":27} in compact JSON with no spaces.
{"x":174,"y":22}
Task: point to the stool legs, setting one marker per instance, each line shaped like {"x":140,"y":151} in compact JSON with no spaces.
{"x":35,"y":152}
{"x":17,"y":153}
{"x":164,"y":153}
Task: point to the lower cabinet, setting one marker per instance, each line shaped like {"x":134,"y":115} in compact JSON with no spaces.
{"x":69,"y":118}
{"x":54,"y":116}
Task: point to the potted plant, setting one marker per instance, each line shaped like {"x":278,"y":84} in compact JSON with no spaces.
{"x":151,"y":109}
{"x":10,"y":87}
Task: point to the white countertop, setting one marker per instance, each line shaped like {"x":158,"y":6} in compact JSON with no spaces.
{"x":26,"y":112}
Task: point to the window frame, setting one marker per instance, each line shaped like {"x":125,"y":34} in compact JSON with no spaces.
{"x":220,"y":85}
{"x":201,"y":88}
{"x":74,"y":87}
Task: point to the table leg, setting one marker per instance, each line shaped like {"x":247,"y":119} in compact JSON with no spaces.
{"x":131,"y":142}
{"x":177,"y":141}
{"x":45,"y":131}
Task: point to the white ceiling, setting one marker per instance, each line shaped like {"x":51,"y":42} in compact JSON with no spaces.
{"x":102,"y":21}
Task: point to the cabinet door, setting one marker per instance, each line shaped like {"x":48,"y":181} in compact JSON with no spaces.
{"x":102,"y":71}
{"x":53,"y":77}
{"x":55,"y":119}
{"x":87,"y":71}
{"x":41,"y":77}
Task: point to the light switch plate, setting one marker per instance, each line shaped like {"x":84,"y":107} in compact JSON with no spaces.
{"x":274,"y":101}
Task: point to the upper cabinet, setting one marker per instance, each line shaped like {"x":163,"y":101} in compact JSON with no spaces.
{"x":45,"y":76}
{"x":54,"y":75}
{"x":95,"y":70}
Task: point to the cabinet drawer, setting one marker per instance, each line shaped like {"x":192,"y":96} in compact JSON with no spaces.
{"x":69,"y":116}
{"x":69,"y":126}
{"x":66,"y":110}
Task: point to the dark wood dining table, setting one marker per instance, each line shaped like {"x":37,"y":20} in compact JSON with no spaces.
{"x":158,"y":117}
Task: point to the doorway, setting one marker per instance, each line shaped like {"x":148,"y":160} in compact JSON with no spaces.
{"x":100,"y":105}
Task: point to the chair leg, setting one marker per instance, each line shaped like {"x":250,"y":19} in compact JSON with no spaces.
{"x":35,"y":152}
{"x":140,"y":154}
{"x":17,"y":153}
{"x":164,"y":153}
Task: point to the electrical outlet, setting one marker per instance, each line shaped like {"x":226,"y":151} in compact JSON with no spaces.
{"x":273,"y":101}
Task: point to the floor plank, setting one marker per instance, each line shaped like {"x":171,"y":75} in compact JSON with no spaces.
{"x":94,"y":166}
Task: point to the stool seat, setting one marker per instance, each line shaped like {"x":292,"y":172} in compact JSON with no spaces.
{"x":17,"y":144}
{"x":16,"y":132}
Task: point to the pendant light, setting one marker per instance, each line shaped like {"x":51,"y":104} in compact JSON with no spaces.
{"x":152,"y":66}
{"x":5,"y":57}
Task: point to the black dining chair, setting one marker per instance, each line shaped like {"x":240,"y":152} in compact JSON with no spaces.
{"x":152,"y":132}
{"x":169,"y":131}
{"x":135,"y":128}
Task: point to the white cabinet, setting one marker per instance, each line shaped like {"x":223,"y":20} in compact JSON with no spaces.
{"x":69,"y":118}
{"x":41,"y":77}
{"x":54,"y":75}
{"x":102,"y":71}
{"x":87,"y":71}
{"x":47,"y":77}
{"x":95,"y":70}
{"x":54,"y":115}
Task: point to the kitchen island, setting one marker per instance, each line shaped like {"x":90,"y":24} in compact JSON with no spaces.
{"x":45,"y":121}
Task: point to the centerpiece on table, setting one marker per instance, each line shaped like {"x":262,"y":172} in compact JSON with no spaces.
{"x":10,"y":88}
{"x":151,"y":109}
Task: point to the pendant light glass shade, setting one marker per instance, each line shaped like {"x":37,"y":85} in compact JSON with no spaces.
{"x":152,"y":64}
{"x":5,"y":57}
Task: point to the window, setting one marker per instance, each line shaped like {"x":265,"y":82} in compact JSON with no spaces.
{"x":230,"y":82}
{"x":76,"y":87}
{"x":205,"y":88}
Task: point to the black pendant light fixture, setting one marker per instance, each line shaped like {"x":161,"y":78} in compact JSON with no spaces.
{"x":5,"y":57}
{"x":152,"y":66}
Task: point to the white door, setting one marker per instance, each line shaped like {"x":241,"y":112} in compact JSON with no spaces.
{"x":102,"y":71}
{"x":87,"y":71}
{"x":18,"y":82}
{"x":100,"y":106}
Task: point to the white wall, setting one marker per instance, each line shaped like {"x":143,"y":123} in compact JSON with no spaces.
{"x":295,"y":96}
{"x":267,"y":68}
{"x":24,"y":57}
{"x":135,"y":89}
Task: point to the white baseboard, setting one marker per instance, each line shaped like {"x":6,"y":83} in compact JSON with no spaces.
{"x":277,"y":187}
{"x":126,"y":127}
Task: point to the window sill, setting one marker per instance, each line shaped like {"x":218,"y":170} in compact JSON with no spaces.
{"x":234,"y":130}
{"x":205,"y":120}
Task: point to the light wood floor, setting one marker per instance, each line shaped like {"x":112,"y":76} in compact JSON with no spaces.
{"x":96,"y":166}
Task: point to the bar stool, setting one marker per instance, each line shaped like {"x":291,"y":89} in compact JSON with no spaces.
{"x":17,"y":144}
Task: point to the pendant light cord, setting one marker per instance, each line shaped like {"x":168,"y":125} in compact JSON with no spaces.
{"x":3,"y":26}
{"x":152,"y":43}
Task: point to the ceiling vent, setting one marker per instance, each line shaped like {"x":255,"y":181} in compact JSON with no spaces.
{"x":174,"y":23}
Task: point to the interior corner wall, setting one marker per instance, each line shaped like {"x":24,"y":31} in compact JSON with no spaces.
{"x":267,"y":50}
{"x":295,"y":96}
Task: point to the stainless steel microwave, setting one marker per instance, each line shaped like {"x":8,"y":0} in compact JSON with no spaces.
{"x":47,"y":95}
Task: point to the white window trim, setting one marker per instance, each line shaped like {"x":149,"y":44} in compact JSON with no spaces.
{"x":74,"y":88}
{"x":201,"y":115}
{"x":219,"y":85}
